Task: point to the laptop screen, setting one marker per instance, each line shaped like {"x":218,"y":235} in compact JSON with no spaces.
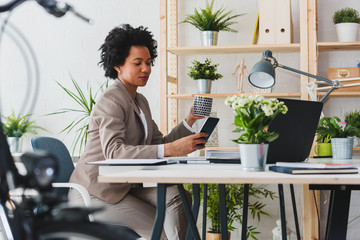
{"x":296,"y":130}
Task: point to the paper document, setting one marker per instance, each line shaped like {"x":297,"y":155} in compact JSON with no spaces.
{"x":193,"y":160}
{"x":131,"y":162}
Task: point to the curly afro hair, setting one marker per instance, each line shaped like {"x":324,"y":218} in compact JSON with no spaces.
{"x":117,"y":46}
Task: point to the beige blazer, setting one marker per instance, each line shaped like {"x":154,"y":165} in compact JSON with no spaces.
{"x":116,"y":131}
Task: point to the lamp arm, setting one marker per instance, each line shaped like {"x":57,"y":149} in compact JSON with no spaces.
{"x":327,"y":94}
{"x":335,"y":84}
{"x":308,"y":74}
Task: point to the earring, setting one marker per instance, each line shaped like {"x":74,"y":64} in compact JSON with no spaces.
{"x":119,"y":71}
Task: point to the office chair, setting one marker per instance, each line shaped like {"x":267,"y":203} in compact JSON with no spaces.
{"x":66,"y":166}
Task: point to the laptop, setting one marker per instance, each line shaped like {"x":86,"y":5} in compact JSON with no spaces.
{"x":296,"y":130}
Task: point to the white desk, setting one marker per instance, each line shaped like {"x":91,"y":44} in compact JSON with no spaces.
{"x":227,"y":174}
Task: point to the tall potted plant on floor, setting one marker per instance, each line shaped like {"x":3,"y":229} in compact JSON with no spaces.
{"x":204,"y":73}
{"x":210,"y":22}
{"x":234,"y":205}
{"x":253,"y":115}
{"x":347,"y":25}
{"x":85,"y":101}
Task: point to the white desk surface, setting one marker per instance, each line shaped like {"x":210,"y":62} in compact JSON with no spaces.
{"x":233,"y":173}
{"x":217,"y":173}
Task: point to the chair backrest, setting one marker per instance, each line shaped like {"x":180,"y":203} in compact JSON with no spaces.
{"x":57,"y":148}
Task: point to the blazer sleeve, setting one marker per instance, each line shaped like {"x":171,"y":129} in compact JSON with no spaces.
{"x":178,"y":132}
{"x":119,"y":135}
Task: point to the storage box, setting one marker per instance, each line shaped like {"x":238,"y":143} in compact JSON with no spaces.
{"x":342,"y":73}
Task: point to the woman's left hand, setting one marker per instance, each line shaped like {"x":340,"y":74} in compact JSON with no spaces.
{"x":191,"y":118}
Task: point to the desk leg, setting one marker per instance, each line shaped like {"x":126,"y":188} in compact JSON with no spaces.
{"x":295,"y":212}
{"x":245,"y":212}
{"x":190,"y":217}
{"x":282,"y":211}
{"x":204,"y":211}
{"x":195,"y":208}
{"x":160,"y":212}
{"x":338,"y":214}
{"x":223,"y":212}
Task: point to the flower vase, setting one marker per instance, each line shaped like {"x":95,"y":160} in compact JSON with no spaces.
{"x":342,"y":147}
{"x":253,"y":156}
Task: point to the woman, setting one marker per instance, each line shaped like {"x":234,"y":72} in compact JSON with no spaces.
{"x":121,"y":126}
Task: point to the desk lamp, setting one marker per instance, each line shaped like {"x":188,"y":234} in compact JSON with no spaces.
{"x":263,"y":74}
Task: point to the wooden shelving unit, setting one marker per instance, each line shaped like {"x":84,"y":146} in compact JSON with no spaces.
{"x":234,"y":49}
{"x":308,"y":50}
{"x":338,"y":46}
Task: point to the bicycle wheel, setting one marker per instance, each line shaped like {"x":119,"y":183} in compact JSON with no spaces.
{"x":83,"y":230}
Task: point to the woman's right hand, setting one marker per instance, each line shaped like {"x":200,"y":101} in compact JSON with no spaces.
{"x":185,"y":145}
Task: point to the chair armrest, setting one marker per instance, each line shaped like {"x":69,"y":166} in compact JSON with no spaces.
{"x":83,"y":192}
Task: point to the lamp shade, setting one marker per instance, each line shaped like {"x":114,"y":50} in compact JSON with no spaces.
{"x":263,"y":74}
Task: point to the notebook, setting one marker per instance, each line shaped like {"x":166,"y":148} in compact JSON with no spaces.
{"x":296,"y":130}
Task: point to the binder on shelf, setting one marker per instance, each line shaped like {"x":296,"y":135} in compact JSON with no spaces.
{"x":256,"y":31}
{"x":275,"y":22}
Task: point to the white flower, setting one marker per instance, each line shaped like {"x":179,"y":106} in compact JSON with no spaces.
{"x":267,"y":110}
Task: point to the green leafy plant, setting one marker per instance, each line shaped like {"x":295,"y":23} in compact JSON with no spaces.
{"x":211,"y":20}
{"x":333,"y":127}
{"x":204,"y":70}
{"x":234,"y":205}
{"x":253,"y":115}
{"x":346,"y":15}
{"x":16,"y":125}
{"x":85,"y":105}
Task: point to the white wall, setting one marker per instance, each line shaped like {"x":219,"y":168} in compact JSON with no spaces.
{"x":68,"y":45}
{"x":65,"y":46}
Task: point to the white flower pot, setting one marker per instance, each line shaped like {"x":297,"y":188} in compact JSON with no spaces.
{"x":342,"y":147}
{"x":347,"y":32}
{"x":253,"y":156}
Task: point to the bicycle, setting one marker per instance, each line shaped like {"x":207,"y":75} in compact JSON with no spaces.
{"x":54,"y":219}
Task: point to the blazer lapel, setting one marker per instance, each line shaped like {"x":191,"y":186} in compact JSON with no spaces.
{"x":145,"y":108}
{"x":134,"y":107}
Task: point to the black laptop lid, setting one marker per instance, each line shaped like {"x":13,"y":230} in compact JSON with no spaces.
{"x":296,"y":130}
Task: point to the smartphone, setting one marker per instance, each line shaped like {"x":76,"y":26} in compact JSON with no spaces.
{"x":209,"y":126}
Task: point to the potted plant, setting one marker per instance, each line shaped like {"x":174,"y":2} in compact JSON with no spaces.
{"x":253,"y":115}
{"x":323,"y":148}
{"x":346,"y":22}
{"x":210,"y":22}
{"x":341,"y":133}
{"x":85,"y":105}
{"x":16,"y":126}
{"x":204,"y":73}
{"x":353,"y":118}
{"x":234,"y":205}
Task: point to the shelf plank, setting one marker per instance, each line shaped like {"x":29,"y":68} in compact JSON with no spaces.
{"x":224,"y":95}
{"x":356,"y":148}
{"x":338,"y":46}
{"x":234,"y":49}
